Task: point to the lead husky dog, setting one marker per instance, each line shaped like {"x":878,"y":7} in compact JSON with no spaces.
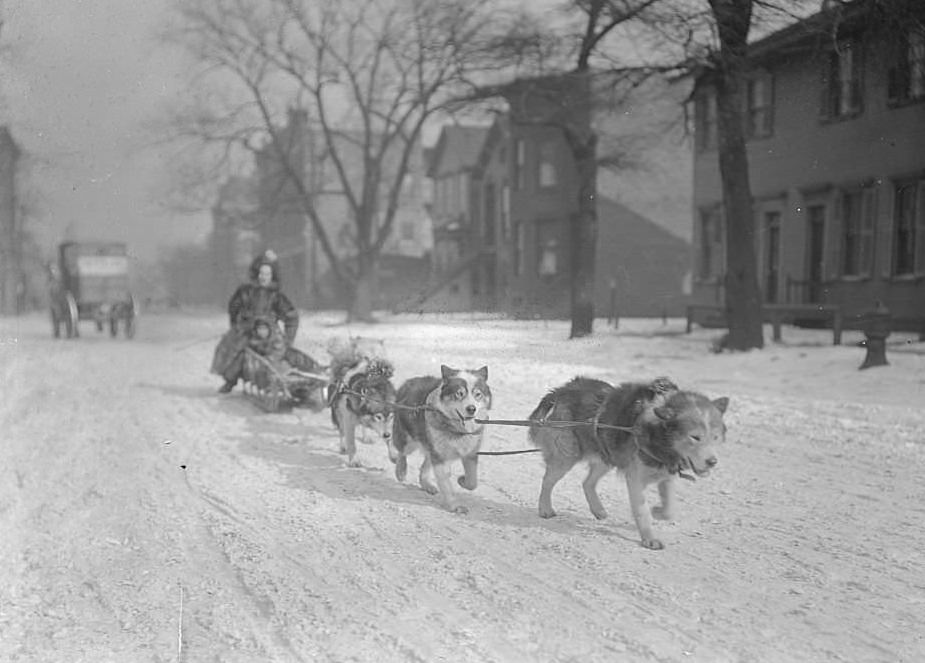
{"x":669,"y":432}
{"x":438,"y":416}
{"x":363,"y":395}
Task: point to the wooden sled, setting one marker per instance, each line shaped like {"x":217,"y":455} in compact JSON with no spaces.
{"x":275,"y":391}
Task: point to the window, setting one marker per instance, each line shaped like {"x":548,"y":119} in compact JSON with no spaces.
{"x":760,"y":107}
{"x":548,"y":175}
{"x":520,"y":164}
{"x":506,"y":210}
{"x":857,"y":211}
{"x":705,"y":112}
{"x":841,"y":94}
{"x":909,"y":229}
{"x":520,"y":244}
{"x":711,"y":244}
{"x":548,"y":262}
{"x":907,"y":75}
{"x":772,"y":256}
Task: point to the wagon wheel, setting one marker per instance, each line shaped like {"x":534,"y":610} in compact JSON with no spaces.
{"x":70,"y":322}
{"x":131,"y":317}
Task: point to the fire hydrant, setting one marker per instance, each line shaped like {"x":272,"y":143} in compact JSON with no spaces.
{"x":876,"y":327}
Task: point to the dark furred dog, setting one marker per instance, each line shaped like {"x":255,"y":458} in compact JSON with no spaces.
{"x":673,"y":431}
{"x":363,"y":395}
{"x":443,"y":425}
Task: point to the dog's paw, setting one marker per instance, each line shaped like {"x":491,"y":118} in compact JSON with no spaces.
{"x":653,"y":544}
{"x":430,"y":489}
{"x":600,"y":514}
{"x":660,"y":513}
{"x":353,"y":462}
{"x":342,"y":449}
{"x":465,"y":484}
{"x":547,"y":513}
{"x":460,"y":509}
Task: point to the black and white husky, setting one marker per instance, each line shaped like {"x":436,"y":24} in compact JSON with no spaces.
{"x":439,"y":417}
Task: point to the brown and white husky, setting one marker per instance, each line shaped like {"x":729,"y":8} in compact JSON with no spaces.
{"x":439,"y":417}
{"x":669,"y":432}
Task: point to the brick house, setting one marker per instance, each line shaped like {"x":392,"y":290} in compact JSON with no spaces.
{"x":836,"y":148}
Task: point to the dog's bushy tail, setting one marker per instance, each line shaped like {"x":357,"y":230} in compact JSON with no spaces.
{"x":542,"y":411}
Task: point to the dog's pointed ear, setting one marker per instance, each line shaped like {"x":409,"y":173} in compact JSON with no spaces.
{"x":483,"y":373}
{"x":664,"y":413}
{"x":721,"y":404}
{"x":446,"y":372}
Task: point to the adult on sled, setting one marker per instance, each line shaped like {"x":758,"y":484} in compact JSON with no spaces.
{"x":261,"y":297}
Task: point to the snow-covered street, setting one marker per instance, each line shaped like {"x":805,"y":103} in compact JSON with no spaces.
{"x":145,"y":517}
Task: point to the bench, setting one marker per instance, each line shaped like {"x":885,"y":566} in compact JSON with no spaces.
{"x":777,"y":314}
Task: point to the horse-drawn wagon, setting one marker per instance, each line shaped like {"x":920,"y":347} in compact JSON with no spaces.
{"x":91,"y":282}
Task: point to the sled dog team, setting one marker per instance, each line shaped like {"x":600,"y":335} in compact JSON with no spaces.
{"x":653,"y":432}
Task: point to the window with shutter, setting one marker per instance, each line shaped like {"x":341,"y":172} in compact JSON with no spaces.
{"x":909,"y":228}
{"x":842,"y":92}
{"x":906,"y":80}
{"x":760,"y":107}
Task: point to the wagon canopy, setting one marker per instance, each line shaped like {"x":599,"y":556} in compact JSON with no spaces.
{"x":96,"y":271}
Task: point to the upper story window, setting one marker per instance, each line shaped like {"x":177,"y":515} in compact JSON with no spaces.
{"x":520,"y":164}
{"x":705,"y":114}
{"x":841,"y":81}
{"x":857,"y":210}
{"x":760,"y":117}
{"x":548,"y":173}
{"x":907,"y":75}
{"x":909,"y":228}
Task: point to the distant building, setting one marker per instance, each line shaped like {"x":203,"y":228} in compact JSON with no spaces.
{"x":836,"y":148}
{"x":284,"y":224}
{"x":12,"y":284}
{"x":458,"y":243}
{"x":505,"y":196}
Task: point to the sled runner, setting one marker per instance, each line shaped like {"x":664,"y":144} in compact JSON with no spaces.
{"x":279,"y":390}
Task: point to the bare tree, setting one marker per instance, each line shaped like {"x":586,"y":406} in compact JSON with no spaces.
{"x":368,"y":76}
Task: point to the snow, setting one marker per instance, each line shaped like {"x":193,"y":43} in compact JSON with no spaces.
{"x":143,"y":517}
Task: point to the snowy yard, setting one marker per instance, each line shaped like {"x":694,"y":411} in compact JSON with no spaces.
{"x":144,"y":517}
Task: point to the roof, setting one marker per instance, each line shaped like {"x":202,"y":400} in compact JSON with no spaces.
{"x":457,"y":149}
{"x":848,"y":16}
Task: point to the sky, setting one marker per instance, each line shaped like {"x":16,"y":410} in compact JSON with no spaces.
{"x":81,"y":84}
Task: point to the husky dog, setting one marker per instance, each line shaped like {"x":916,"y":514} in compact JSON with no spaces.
{"x":362,"y":394}
{"x":669,"y":432}
{"x":438,"y":416}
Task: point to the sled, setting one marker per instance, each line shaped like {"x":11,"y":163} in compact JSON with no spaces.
{"x":275,"y":391}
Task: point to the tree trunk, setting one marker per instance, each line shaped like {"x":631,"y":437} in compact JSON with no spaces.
{"x":361,"y":304}
{"x":583,"y":234}
{"x":743,"y":296}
